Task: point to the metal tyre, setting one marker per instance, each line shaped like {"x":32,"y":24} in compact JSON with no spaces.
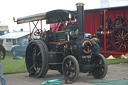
{"x":70,"y":68}
{"x":46,"y":57}
{"x":100,"y":65}
{"x":36,"y":58}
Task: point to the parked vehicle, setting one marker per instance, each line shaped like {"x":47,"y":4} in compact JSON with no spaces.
{"x":20,"y":48}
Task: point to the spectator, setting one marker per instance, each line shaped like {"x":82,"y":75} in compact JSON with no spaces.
{"x":95,"y":45}
{"x":3,"y":82}
{"x":95,"y":48}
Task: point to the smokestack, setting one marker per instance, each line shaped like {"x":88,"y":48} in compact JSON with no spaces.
{"x":80,"y":17}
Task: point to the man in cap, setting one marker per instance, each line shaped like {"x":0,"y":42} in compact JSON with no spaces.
{"x":95,"y":45}
{"x":95,"y":48}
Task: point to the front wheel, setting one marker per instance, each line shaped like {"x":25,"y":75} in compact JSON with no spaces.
{"x":100,"y":65}
{"x":70,"y":68}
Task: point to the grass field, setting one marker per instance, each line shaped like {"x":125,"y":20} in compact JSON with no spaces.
{"x":117,"y":60}
{"x":15,"y":66}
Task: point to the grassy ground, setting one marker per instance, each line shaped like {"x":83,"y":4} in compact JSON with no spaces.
{"x":117,"y":60}
{"x":15,"y":66}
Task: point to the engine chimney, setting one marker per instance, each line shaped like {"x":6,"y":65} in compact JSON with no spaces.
{"x":80,"y":18}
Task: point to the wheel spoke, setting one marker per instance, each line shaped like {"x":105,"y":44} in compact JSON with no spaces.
{"x":38,"y":54}
{"x":117,"y":39}
{"x":125,"y":35}
{"x":118,"y":42}
{"x":120,"y":45}
{"x":125,"y":46}
{"x":70,"y":63}
{"x":117,"y":36}
{"x":32,"y":66}
{"x":122,"y":33}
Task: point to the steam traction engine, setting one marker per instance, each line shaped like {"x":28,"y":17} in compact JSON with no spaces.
{"x":116,"y":31}
{"x":68,"y":50}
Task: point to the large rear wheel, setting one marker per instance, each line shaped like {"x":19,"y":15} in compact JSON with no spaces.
{"x":37,"y":58}
{"x":120,"y":39}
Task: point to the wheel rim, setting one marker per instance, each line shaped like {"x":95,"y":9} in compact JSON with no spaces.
{"x":100,"y":66}
{"x":70,"y":68}
{"x":120,"y":39}
{"x":35,"y":59}
{"x":120,"y":21}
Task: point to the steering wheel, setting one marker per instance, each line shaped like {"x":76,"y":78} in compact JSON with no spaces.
{"x":38,"y":32}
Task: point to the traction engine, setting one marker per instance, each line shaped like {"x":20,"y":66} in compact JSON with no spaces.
{"x":69,"y":51}
{"x":116,"y":33}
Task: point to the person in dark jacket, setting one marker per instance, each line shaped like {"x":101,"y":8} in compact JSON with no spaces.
{"x":95,"y":45}
{"x":3,"y":82}
{"x":95,"y":49}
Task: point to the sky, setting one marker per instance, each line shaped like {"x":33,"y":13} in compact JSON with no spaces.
{"x":21,"y":8}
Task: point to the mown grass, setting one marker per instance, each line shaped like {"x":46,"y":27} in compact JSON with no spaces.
{"x":13,"y":66}
{"x":117,"y":60}
{"x":16,"y":66}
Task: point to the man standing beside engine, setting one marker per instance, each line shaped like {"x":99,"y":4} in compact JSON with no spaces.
{"x":95,"y":49}
{"x":95,"y":45}
{"x":3,"y":82}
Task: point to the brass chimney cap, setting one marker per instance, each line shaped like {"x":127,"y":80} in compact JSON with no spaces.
{"x":79,"y":4}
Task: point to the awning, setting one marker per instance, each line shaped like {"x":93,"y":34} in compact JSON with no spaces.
{"x":14,"y":35}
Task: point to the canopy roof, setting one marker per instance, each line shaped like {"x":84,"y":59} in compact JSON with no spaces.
{"x":51,"y":16}
{"x":30,"y":18}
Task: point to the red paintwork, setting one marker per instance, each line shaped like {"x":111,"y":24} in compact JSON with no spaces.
{"x":105,"y":31}
{"x":92,"y":23}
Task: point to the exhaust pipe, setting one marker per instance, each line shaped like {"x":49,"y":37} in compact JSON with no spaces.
{"x":101,"y":20}
{"x":80,"y":18}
